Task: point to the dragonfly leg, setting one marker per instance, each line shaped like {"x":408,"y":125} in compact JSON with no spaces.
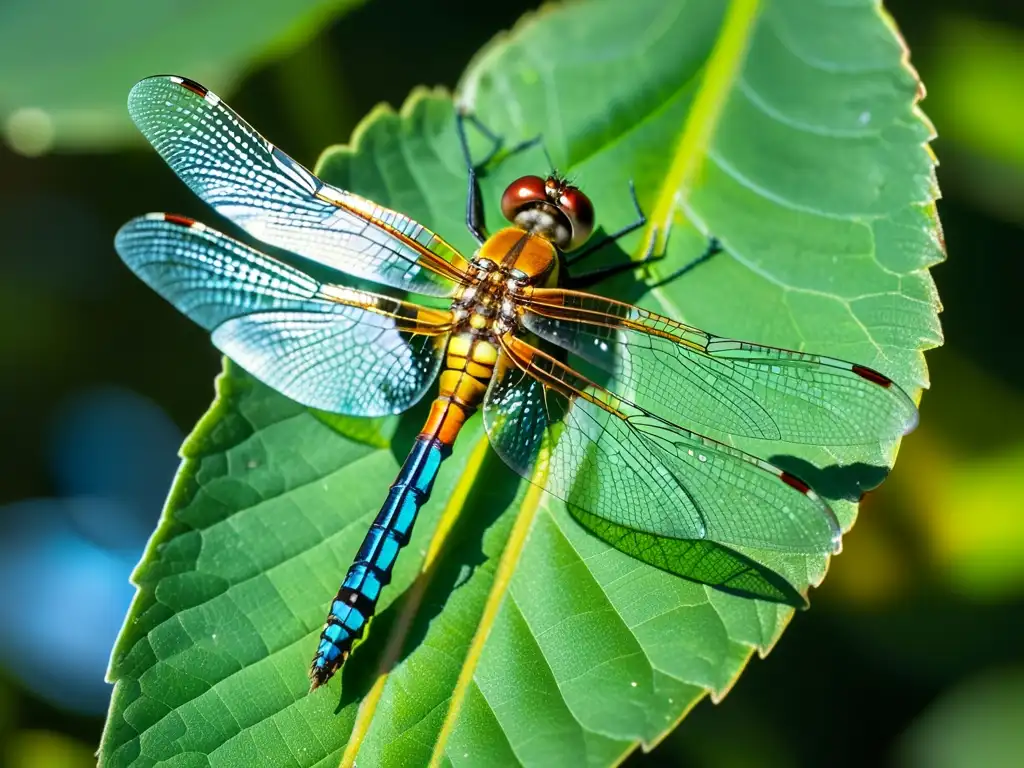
{"x":474,"y":199}
{"x":496,"y":143}
{"x":589,"y":279}
{"x":713,"y":247}
{"x":604,"y":242}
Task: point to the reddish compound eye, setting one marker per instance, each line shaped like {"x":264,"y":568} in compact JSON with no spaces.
{"x":580,"y":210}
{"x":523,"y":191}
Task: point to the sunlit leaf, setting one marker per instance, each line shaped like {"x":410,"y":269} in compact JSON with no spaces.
{"x":787,"y":129}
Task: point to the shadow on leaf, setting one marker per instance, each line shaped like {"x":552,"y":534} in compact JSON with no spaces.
{"x":701,"y":561}
{"x":848,"y":482}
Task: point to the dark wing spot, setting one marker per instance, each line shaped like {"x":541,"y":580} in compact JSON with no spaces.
{"x":872,"y":375}
{"x":195,"y":87}
{"x":795,"y":482}
{"x":175,"y":218}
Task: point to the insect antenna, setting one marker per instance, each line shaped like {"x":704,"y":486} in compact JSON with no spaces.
{"x":551,"y":163}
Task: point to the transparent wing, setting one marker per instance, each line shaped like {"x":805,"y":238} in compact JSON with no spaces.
{"x":257,"y":186}
{"x":323,"y":345}
{"x":615,"y":460}
{"x":685,"y":375}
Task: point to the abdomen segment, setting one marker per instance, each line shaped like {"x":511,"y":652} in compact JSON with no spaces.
{"x":356,"y":600}
{"x":462,"y":385}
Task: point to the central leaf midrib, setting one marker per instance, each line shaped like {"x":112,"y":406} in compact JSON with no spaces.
{"x":720,"y":73}
{"x":507,"y":565}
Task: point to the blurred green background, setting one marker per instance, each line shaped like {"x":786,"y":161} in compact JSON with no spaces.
{"x":912,"y":654}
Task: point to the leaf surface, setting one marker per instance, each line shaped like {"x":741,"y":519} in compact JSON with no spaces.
{"x":789,"y":130}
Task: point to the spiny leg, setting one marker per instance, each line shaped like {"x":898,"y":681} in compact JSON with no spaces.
{"x":713,"y":247}
{"x":475,"y":220}
{"x":590,"y":250}
{"x":474,"y":203}
{"x":582,"y":282}
{"x":591,"y":278}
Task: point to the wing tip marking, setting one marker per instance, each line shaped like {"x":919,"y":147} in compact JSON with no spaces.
{"x":795,"y":482}
{"x":198,"y":89}
{"x":872,"y":375}
{"x":177,"y":218}
{"x":190,"y":85}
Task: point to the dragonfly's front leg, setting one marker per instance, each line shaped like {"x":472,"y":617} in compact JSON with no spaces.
{"x":475,"y":220}
{"x":713,"y":247}
{"x":589,"y":279}
{"x":474,"y":200}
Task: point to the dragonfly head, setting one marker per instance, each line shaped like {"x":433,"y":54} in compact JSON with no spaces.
{"x":551,"y":208}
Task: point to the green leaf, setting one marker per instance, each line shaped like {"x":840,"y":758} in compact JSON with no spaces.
{"x":66,"y":67}
{"x":701,"y":561}
{"x":788,"y":129}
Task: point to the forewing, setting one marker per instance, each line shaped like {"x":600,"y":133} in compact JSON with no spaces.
{"x":272,"y":197}
{"x":686,"y":375}
{"x":615,"y":460}
{"x":323,"y":345}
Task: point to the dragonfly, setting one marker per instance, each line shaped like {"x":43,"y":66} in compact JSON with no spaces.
{"x":511,"y":319}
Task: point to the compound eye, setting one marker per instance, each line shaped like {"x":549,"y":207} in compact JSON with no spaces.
{"x":580,"y":211}
{"x":523,"y":191}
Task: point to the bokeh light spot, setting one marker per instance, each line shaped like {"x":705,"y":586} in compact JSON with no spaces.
{"x":30,"y":131}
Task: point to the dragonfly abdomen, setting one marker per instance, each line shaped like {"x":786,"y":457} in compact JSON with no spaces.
{"x":356,"y":600}
{"x":470,"y":365}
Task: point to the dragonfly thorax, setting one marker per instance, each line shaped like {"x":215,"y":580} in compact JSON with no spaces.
{"x":506,"y":264}
{"x":487,"y":304}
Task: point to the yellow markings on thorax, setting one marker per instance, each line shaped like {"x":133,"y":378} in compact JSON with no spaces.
{"x":515,"y":248}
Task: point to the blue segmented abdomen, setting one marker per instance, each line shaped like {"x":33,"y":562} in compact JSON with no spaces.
{"x":356,"y":600}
